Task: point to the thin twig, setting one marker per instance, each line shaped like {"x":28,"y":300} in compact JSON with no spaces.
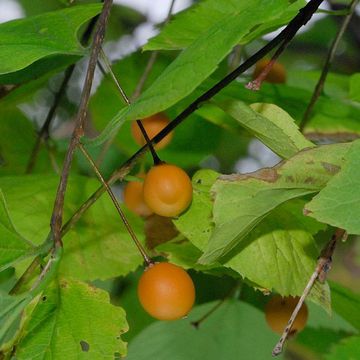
{"x":127,"y":101}
{"x":329,"y":59}
{"x":57,"y":215}
{"x":322,"y":268}
{"x":151,"y":61}
{"x":300,"y":19}
{"x":117,"y":205}
{"x":43,"y":134}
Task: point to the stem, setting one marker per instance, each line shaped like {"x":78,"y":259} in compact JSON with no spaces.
{"x":156,"y":158}
{"x":117,"y":205}
{"x":43,"y":134}
{"x":299,"y":20}
{"x":57,"y":215}
{"x":329,"y":59}
{"x":322,"y":268}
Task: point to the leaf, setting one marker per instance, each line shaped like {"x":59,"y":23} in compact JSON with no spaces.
{"x":242,"y":201}
{"x":280,"y":253}
{"x":11,"y":308}
{"x":99,"y":247}
{"x":270,"y":124}
{"x":12,"y":246}
{"x":348,"y":349}
{"x":186,"y":26}
{"x":25,"y":41}
{"x":355,"y":87}
{"x":197,"y":62}
{"x":339,"y":202}
{"x":346,"y":303}
{"x":181,"y":341}
{"x":74,"y":321}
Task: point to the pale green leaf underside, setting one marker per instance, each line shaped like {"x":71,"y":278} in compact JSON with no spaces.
{"x":24,"y":41}
{"x":195,"y":63}
{"x":348,"y":349}
{"x":270,"y":124}
{"x":186,"y":26}
{"x":73,"y":321}
{"x":338,"y":203}
{"x":242,"y":201}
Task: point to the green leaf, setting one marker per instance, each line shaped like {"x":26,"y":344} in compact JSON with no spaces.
{"x":74,"y":321}
{"x":13,"y":247}
{"x":270,"y":124}
{"x":99,"y":246}
{"x":11,"y":308}
{"x":339,"y":202}
{"x":25,"y":41}
{"x":179,"y":340}
{"x":186,"y":26}
{"x":197,"y":63}
{"x":280,"y":253}
{"x":242,"y":201}
{"x":346,"y":303}
{"x":348,"y":349}
{"x":355,"y":87}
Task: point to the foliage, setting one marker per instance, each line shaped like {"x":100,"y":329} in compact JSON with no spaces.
{"x":246,"y":234}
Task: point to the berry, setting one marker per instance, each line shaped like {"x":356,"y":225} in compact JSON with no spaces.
{"x":276,"y":75}
{"x":167,"y":190}
{"x":152,"y":125}
{"x":278,"y":311}
{"x":166,"y":291}
{"x":134,"y":199}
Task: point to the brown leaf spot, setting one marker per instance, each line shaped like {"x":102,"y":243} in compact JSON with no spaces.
{"x":265,"y":174}
{"x":330,"y":168}
{"x":309,"y":180}
{"x":307,"y":212}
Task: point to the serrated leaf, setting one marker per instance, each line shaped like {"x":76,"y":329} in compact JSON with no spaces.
{"x":25,"y":41}
{"x":339,"y":202}
{"x":99,"y":247}
{"x":197,"y":62}
{"x":242,"y":201}
{"x":348,"y":349}
{"x":13,"y":247}
{"x":73,"y":320}
{"x":270,"y":124}
{"x":280,"y":253}
{"x":186,"y":26}
{"x":181,"y":341}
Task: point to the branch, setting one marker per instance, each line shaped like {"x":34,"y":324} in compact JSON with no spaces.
{"x":117,"y":206}
{"x":322,"y":268}
{"x":43,"y":134}
{"x":329,"y":59}
{"x":299,"y":20}
{"x":56,"y":218}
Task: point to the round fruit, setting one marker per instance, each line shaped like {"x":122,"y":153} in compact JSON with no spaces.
{"x":134,"y":199}
{"x":152,"y":125}
{"x":167,"y":190}
{"x":278,"y":311}
{"x":166,"y":291}
{"x":276,"y":75}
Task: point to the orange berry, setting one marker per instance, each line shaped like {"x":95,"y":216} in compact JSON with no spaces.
{"x":166,"y":291}
{"x":152,"y":125}
{"x":167,"y":190}
{"x":134,"y":199}
{"x":278,"y":312}
{"x":276,"y":75}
